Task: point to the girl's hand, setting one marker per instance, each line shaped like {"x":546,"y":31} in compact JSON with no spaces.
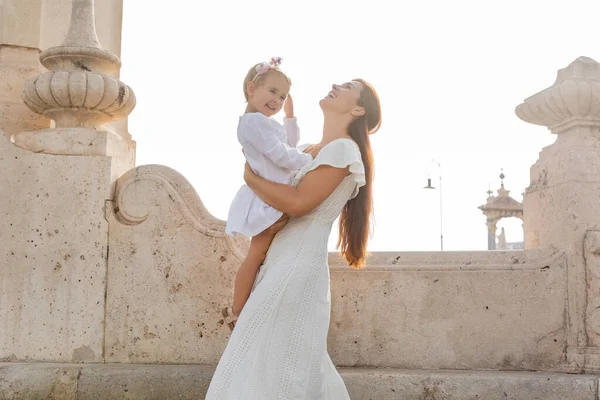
{"x":248,"y":173}
{"x":279,"y":225}
{"x":288,"y":107}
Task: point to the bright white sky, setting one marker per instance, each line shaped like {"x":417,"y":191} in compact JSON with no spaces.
{"x":449,"y":75}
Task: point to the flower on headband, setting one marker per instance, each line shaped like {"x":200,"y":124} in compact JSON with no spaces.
{"x":275,"y":62}
{"x":264,"y":67}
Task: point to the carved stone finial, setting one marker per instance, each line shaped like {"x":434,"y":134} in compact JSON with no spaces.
{"x":574,"y":99}
{"x":79,"y":91}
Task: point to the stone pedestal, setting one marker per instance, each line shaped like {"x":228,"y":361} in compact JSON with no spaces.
{"x":57,"y":178}
{"x":53,"y":253}
{"x":562,"y":202}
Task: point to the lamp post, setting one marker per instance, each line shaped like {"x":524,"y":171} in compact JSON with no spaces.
{"x":430,"y":169}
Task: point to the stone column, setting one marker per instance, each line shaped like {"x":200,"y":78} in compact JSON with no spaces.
{"x":53,"y":227}
{"x":56,"y":15}
{"x":19,"y":51}
{"x":491,"y":225}
{"x":562,"y":203}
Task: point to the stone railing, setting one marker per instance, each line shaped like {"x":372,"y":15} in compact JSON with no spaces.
{"x":457,"y":310}
{"x":170,"y":270}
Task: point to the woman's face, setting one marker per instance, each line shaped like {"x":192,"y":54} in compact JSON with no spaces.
{"x":342,"y":98}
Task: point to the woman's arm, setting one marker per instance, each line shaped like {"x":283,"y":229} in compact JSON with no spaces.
{"x":297,"y":201}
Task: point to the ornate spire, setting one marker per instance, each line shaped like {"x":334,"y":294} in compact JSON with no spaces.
{"x":502,"y":192}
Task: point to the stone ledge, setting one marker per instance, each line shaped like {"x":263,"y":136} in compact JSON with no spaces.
{"x":389,"y":384}
{"x":143,"y":381}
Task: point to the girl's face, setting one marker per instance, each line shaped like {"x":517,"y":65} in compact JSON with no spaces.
{"x":268,"y":95}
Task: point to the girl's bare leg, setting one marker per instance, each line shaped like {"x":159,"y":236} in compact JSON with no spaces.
{"x":244,"y":279}
{"x":246,"y":275}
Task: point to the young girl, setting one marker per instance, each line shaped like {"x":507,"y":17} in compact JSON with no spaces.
{"x":270,"y":149}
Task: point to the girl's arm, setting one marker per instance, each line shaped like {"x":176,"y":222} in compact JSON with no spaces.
{"x":290,"y":124}
{"x":260,"y":134}
{"x":297,"y":201}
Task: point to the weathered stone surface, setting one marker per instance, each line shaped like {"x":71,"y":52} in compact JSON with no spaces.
{"x":24,"y":30}
{"x":479,"y":310}
{"x":391,"y":384}
{"x":53,"y":251}
{"x":171,"y":269}
{"x":144,"y":382}
{"x":75,"y":141}
{"x":19,"y":43}
{"x":159,"y":382}
{"x":38,"y":381}
{"x":17,"y":64}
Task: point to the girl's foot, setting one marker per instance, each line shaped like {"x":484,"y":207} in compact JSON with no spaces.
{"x":230,"y":317}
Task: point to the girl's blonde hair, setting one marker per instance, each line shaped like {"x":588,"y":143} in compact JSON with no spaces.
{"x":254,"y":76}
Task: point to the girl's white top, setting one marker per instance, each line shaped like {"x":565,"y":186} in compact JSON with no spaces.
{"x":270,"y":149}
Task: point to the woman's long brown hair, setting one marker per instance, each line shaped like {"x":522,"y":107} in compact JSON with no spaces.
{"x":355,"y":219}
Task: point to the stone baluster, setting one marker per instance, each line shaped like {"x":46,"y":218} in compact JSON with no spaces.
{"x":80,"y":93}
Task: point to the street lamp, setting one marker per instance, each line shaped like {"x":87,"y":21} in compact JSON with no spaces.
{"x":430,"y":170}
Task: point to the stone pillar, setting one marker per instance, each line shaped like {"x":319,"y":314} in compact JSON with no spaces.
{"x":19,"y":51}
{"x":491,"y":225}
{"x":53,"y":227}
{"x":562,"y":203}
{"x":56,"y":15}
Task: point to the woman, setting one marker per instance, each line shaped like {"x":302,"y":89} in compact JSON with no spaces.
{"x":278,"y":349}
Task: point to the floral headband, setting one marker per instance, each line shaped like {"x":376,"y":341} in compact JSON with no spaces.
{"x":264,"y":67}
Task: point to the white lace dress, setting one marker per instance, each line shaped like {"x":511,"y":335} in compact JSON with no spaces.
{"x":278,"y":349}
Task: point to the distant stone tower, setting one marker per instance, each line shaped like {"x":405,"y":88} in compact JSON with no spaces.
{"x":498,"y":207}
